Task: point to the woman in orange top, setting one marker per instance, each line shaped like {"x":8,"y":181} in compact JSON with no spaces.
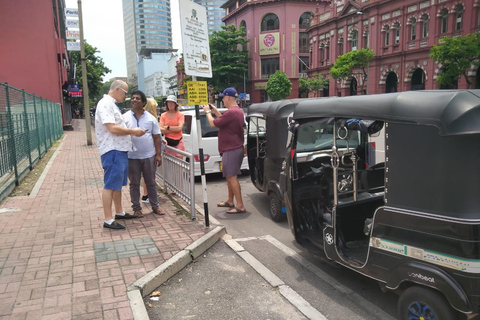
{"x":171,"y":126}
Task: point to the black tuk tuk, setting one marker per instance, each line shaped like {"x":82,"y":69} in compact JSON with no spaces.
{"x":265,"y":156}
{"x":389,"y":186}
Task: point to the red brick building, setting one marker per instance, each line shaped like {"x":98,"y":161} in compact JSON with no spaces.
{"x":308,"y":36}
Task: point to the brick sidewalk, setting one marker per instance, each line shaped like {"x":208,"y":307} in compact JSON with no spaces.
{"x":56,"y":259}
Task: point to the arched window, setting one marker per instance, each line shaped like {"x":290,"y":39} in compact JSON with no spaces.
{"x":304,"y":21}
{"x":322,"y":54}
{"x":444,"y":21}
{"x":396,"y":26}
{"x":354,"y":40}
{"x":386,"y":29}
{"x":459,"y":17}
{"x":413,"y":29}
{"x":340,"y":46}
{"x":270,"y":22}
{"x":244,"y":25}
{"x":425,"y":21}
{"x":418,"y":80}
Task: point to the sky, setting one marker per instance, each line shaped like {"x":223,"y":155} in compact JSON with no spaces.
{"x":103,"y":29}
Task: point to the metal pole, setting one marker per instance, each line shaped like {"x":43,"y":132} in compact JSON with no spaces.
{"x":27,"y":127}
{"x":84,"y":77}
{"x":202,"y":163}
{"x":11,"y":135}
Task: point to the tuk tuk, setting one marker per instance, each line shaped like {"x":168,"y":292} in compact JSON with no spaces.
{"x":409,"y":219}
{"x":265,"y":156}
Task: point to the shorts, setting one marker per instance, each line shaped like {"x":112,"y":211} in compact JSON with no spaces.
{"x":232,"y":162}
{"x":115,"y":169}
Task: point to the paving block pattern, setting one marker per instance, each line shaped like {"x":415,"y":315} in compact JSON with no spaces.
{"x":55,"y":261}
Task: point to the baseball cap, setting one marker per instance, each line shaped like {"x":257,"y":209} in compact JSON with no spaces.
{"x":229,"y":92}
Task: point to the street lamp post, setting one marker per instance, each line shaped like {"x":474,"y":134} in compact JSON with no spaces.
{"x":84,"y":77}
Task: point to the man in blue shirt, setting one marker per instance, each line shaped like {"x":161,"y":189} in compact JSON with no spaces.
{"x":147,"y":154}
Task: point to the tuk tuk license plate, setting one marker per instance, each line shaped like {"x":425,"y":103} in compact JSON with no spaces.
{"x":221,"y":166}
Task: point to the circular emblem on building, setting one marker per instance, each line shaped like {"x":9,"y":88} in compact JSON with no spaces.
{"x":269,"y":40}
{"x":329,"y":238}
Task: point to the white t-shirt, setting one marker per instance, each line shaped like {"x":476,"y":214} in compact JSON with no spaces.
{"x":108,"y":112}
{"x":144,"y":146}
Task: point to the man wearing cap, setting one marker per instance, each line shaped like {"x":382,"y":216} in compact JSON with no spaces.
{"x":114,"y":141}
{"x":230,"y":126}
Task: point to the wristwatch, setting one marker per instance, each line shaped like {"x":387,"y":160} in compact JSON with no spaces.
{"x":208,"y":111}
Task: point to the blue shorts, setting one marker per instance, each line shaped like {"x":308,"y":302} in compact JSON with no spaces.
{"x":115,"y":169}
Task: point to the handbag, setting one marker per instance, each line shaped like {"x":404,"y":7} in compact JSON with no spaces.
{"x":172,"y":142}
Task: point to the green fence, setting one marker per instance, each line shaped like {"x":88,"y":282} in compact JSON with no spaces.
{"x":29,"y":125}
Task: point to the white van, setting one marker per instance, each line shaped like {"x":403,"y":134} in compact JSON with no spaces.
{"x":213,"y":160}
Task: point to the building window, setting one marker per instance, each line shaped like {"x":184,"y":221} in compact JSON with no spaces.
{"x":459,"y":17}
{"x":269,"y":67}
{"x":304,"y":21}
{"x":340,"y":46}
{"x":354,"y":40}
{"x":425,"y":26}
{"x":322,"y":54}
{"x":387,"y":35}
{"x":270,"y":22}
{"x":444,"y":21}
{"x":327,"y":53}
{"x":303,"y":42}
{"x":303,"y":64}
{"x":243,"y":25}
{"x":397,"y":32}
{"x":413,"y":29}
{"x":240,"y":2}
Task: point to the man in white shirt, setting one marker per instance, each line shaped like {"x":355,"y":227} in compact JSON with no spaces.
{"x":114,"y":141}
{"x":147,"y":153}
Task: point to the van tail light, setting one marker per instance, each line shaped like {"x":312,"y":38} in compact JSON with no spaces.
{"x":292,"y":153}
{"x":244,"y":151}
{"x":205,"y":157}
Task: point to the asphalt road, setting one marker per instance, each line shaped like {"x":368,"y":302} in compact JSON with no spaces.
{"x":331,"y":289}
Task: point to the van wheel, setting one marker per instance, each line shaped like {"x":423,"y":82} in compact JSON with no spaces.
{"x":423,"y":303}
{"x":276,"y":208}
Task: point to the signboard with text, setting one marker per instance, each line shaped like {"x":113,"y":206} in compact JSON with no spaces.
{"x":71,"y":23}
{"x":196,"y":48}
{"x":269,"y":43}
{"x":75,"y":35}
{"x":197,"y":92}
{"x":71,"y":12}
{"x":73,"y":46}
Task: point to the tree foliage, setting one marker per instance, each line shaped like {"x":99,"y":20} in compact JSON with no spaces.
{"x":315,"y":83}
{"x":96,"y":69}
{"x":229,"y":58}
{"x":279,"y":86}
{"x":353,"y":63}
{"x":456,"y":55}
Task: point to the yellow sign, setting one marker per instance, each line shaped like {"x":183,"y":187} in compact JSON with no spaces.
{"x":197,"y":92}
{"x":269,"y":43}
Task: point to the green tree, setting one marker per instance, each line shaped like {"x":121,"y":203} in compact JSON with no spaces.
{"x":96,"y":69}
{"x":353,"y":63}
{"x":279,"y":86}
{"x":456,"y":55}
{"x":315,"y":83}
{"x":106,"y":87}
{"x":229,"y":58}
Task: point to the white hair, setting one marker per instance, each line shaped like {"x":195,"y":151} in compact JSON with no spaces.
{"x":117,"y":84}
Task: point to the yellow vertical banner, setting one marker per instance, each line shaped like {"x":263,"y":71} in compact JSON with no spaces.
{"x":197,"y":92}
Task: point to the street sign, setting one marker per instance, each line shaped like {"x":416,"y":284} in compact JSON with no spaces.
{"x":196,"y":48}
{"x":71,"y":12}
{"x":73,"y":46}
{"x":242,"y":95}
{"x":197,"y":92}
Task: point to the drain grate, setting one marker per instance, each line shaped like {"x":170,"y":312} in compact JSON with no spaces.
{"x":107,"y":251}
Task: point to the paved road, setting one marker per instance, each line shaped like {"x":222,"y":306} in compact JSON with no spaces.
{"x":331,"y":289}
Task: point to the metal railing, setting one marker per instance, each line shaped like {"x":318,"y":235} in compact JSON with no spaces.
{"x":29,"y":125}
{"x":179,"y":176}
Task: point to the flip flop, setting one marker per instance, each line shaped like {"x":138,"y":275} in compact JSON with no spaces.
{"x":236,"y":210}
{"x":225,"y":204}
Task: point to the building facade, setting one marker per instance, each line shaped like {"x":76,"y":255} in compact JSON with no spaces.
{"x":34,"y":55}
{"x":401,"y":34}
{"x":147,"y":26}
{"x":215,"y":13}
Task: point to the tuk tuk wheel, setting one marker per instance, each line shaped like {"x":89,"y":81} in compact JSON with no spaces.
{"x":276,"y":208}
{"x":418,"y":303}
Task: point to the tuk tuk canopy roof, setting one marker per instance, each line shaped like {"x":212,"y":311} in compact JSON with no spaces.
{"x":453,"y":112}
{"x":273,"y":108}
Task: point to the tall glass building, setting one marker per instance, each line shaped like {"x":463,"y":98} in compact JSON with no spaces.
{"x":147,"y":26}
{"x":214,"y":13}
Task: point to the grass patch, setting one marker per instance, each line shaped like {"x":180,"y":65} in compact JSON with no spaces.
{"x":28,"y":182}
{"x":179,"y":210}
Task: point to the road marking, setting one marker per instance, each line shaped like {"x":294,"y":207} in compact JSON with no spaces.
{"x":358,"y":299}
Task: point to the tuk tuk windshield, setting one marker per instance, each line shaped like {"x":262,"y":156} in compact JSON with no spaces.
{"x":314,"y":136}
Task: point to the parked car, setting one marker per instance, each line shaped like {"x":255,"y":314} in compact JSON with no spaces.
{"x":411,"y":218}
{"x":212,"y":158}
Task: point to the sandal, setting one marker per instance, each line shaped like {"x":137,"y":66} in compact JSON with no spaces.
{"x":225,"y":204}
{"x":235,"y":210}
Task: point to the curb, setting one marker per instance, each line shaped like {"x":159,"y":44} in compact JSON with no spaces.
{"x":149,"y":282}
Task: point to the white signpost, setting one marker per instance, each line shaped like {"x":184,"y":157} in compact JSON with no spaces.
{"x":70,"y":23}
{"x":196,"y":48}
{"x":73,"y":46}
{"x":71,"y":12}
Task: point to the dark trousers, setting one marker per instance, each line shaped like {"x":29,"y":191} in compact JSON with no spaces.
{"x":147,"y":168}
